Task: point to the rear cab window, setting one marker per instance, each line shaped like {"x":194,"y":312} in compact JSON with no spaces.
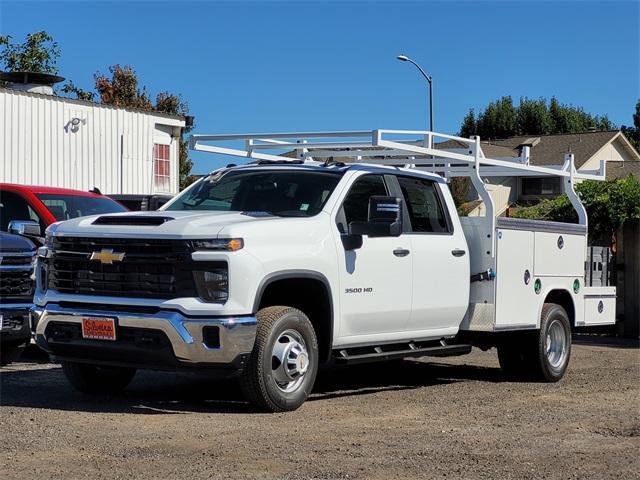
{"x":425,"y":206}
{"x":64,"y":207}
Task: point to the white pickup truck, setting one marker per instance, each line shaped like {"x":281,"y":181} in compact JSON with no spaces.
{"x":310,"y":255}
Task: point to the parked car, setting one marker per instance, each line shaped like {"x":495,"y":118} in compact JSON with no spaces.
{"x":142,"y":203}
{"x":29,"y":210}
{"x":17,"y":255}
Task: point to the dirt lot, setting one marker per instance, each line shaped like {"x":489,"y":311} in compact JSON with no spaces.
{"x":455,"y":418}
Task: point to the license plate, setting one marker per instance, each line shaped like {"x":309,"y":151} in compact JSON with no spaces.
{"x":99,"y":328}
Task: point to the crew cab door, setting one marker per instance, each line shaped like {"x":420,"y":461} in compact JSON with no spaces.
{"x":440,"y":256}
{"x":375,"y":282}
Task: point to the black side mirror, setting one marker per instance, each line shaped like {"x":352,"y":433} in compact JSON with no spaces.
{"x":385,"y":218}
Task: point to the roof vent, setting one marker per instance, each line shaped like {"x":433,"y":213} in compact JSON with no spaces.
{"x":530,"y":142}
{"x":31,"y":82}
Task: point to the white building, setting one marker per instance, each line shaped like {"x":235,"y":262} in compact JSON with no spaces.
{"x":60,"y":142}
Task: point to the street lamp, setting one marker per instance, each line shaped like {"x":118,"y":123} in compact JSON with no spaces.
{"x":404,"y":58}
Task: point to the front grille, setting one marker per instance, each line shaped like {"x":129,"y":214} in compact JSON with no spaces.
{"x":15,"y":276}
{"x":12,"y":322}
{"x":153,"y":268}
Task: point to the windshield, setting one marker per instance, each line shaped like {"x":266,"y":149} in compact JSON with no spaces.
{"x":278,"y":192}
{"x":64,"y":207}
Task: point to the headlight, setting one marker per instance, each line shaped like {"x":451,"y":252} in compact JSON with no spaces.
{"x":223,"y":244}
{"x":213,"y":284}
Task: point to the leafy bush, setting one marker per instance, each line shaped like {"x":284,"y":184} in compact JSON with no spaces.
{"x":609,"y":205}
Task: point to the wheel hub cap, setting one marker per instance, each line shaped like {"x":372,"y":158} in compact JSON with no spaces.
{"x":556,"y":344}
{"x":289,"y":361}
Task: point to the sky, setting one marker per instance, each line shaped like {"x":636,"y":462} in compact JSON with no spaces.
{"x":267,"y":66}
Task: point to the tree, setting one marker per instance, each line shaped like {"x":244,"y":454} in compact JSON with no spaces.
{"x":609,"y":205}
{"x":80,"y":94}
{"x":501,"y":119}
{"x":38,"y":54}
{"x":121,"y":90}
{"x":469,"y":124}
{"x":633,"y":133}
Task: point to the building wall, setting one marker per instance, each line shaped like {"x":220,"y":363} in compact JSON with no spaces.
{"x":110,"y":148}
{"x":611,"y":151}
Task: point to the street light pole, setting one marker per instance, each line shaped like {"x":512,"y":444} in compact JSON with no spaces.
{"x":404,"y":58}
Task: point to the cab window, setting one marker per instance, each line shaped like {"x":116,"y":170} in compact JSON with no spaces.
{"x":15,"y":207}
{"x":424,"y":206}
{"x":355,"y":207}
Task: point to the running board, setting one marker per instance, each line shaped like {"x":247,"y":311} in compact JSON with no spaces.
{"x":379,"y":353}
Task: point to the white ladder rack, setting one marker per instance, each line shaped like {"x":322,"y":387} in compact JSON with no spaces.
{"x":415,"y":149}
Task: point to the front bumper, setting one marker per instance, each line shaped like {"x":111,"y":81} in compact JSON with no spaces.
{"x":158,"y":340}
{"x":15,"y":321}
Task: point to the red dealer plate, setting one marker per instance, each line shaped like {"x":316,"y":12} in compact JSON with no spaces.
{"x":99,"y":328}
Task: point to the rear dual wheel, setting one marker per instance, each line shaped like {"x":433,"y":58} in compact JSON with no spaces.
{"x":282,"y":367}
{"x":542,"y":355}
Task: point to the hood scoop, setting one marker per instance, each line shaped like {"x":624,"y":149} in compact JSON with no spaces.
{"x":141,"y":220}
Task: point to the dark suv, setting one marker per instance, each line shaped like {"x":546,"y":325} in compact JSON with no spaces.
{"x":16,"y":294}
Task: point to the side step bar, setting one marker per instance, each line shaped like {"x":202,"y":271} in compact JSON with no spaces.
{"x":379,"y":353}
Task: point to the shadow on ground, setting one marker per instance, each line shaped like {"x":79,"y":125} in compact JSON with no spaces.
{"x":34,"y":383}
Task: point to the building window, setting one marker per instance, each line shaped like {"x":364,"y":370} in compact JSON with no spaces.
{"x":161,"y":167}
{"x":541,"y":186}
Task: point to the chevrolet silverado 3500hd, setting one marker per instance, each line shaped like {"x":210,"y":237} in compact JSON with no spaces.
{"x":274,"y":267}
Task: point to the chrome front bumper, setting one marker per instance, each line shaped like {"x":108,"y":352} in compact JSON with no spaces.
{"x":236,"y":334}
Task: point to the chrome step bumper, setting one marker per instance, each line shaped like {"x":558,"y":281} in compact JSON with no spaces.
{"x":236,"y":334}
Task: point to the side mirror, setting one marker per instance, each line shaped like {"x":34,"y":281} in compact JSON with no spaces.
{"x":28,"y":228}
{"x":385,"y":218}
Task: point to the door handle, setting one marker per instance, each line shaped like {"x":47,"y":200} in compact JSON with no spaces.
{"x":401,"y":252}
{"x":457,"y":252}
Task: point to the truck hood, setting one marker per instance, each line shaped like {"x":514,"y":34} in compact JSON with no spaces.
{"x":160,"y":224}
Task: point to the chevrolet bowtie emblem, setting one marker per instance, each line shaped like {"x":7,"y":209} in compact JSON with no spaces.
{"x":107,"y":255}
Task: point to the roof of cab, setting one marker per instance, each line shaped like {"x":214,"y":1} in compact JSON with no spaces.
{"x":338,"y":168}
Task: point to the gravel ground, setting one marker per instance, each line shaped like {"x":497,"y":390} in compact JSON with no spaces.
{"x":453,"y":418}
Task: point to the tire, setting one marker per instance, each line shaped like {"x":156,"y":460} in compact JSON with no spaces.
{"x":11,"y":351}
{"x":552,"y":351}
{"x":268,"y":382}
{"x":95,"y":379}
{"x":542,"y":355}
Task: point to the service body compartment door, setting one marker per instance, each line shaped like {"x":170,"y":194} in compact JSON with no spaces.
{"x":516,"y":302}
{"x":559,"y":254}
{"x":599,"y":305}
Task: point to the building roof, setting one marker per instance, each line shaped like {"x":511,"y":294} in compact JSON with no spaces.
{"x":550,"y":149}
{"x":622,"y":169}
{"x":91,"y":104}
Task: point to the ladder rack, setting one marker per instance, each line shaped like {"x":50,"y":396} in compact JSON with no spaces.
{"x":453,"y":156}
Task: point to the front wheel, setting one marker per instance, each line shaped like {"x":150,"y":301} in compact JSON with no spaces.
{"x":97,"y":379}
{"x":10,"y":351}
{"x":282,"y":367}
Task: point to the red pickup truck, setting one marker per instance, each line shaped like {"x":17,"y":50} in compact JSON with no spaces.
{"x":29,"y":210}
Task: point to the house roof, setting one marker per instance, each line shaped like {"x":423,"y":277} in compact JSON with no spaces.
{"x":550,"y":149}
{"x":622,"y":169}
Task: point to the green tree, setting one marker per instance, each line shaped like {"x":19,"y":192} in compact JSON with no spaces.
{"x":469,"y":124}
{"x":633,"y":133}
{"x":501,"y":119}
{"x":71,"y":89}
{"x":498,"y":120}
{"x":38,"y":54}
{"x":609,"y":205}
